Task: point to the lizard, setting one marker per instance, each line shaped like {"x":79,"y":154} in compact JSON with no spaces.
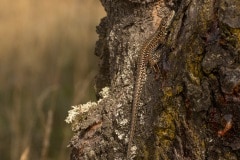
{"x":144,"y":58}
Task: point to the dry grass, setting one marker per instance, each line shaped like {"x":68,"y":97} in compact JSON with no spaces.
{"x":47,"y":64}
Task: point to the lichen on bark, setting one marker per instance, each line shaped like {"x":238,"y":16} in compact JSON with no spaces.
{"x":182,"y":112}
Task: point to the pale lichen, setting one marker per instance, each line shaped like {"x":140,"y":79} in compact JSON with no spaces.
{"x":77,"y":114}
{"x":80,"y":112}
{"x":105,"y":92}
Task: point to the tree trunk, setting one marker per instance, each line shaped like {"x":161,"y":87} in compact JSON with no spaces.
{"x":192,"y":110}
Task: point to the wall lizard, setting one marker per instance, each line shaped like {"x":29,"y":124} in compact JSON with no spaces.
{"x":144,"y":57}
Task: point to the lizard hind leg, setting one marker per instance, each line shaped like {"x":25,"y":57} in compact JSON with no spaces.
{"x":153,"y":61}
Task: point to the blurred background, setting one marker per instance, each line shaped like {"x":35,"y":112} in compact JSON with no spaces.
{"x":47,"y":64}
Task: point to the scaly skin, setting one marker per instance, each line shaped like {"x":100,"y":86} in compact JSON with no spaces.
{"x":144,"y":56}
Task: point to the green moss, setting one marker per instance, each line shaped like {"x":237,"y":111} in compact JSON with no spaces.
{"x":169,"y":92}
{"x":165,"y":131}
{"x":145,"y":152}
{"x":229,"y":156}
{"x":236,"y":33}
{"x":205,"y":15}
{"x":194,"y":59}
{"x":212,"y":76}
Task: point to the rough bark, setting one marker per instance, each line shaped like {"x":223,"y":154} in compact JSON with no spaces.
{"x":186,"y":113}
